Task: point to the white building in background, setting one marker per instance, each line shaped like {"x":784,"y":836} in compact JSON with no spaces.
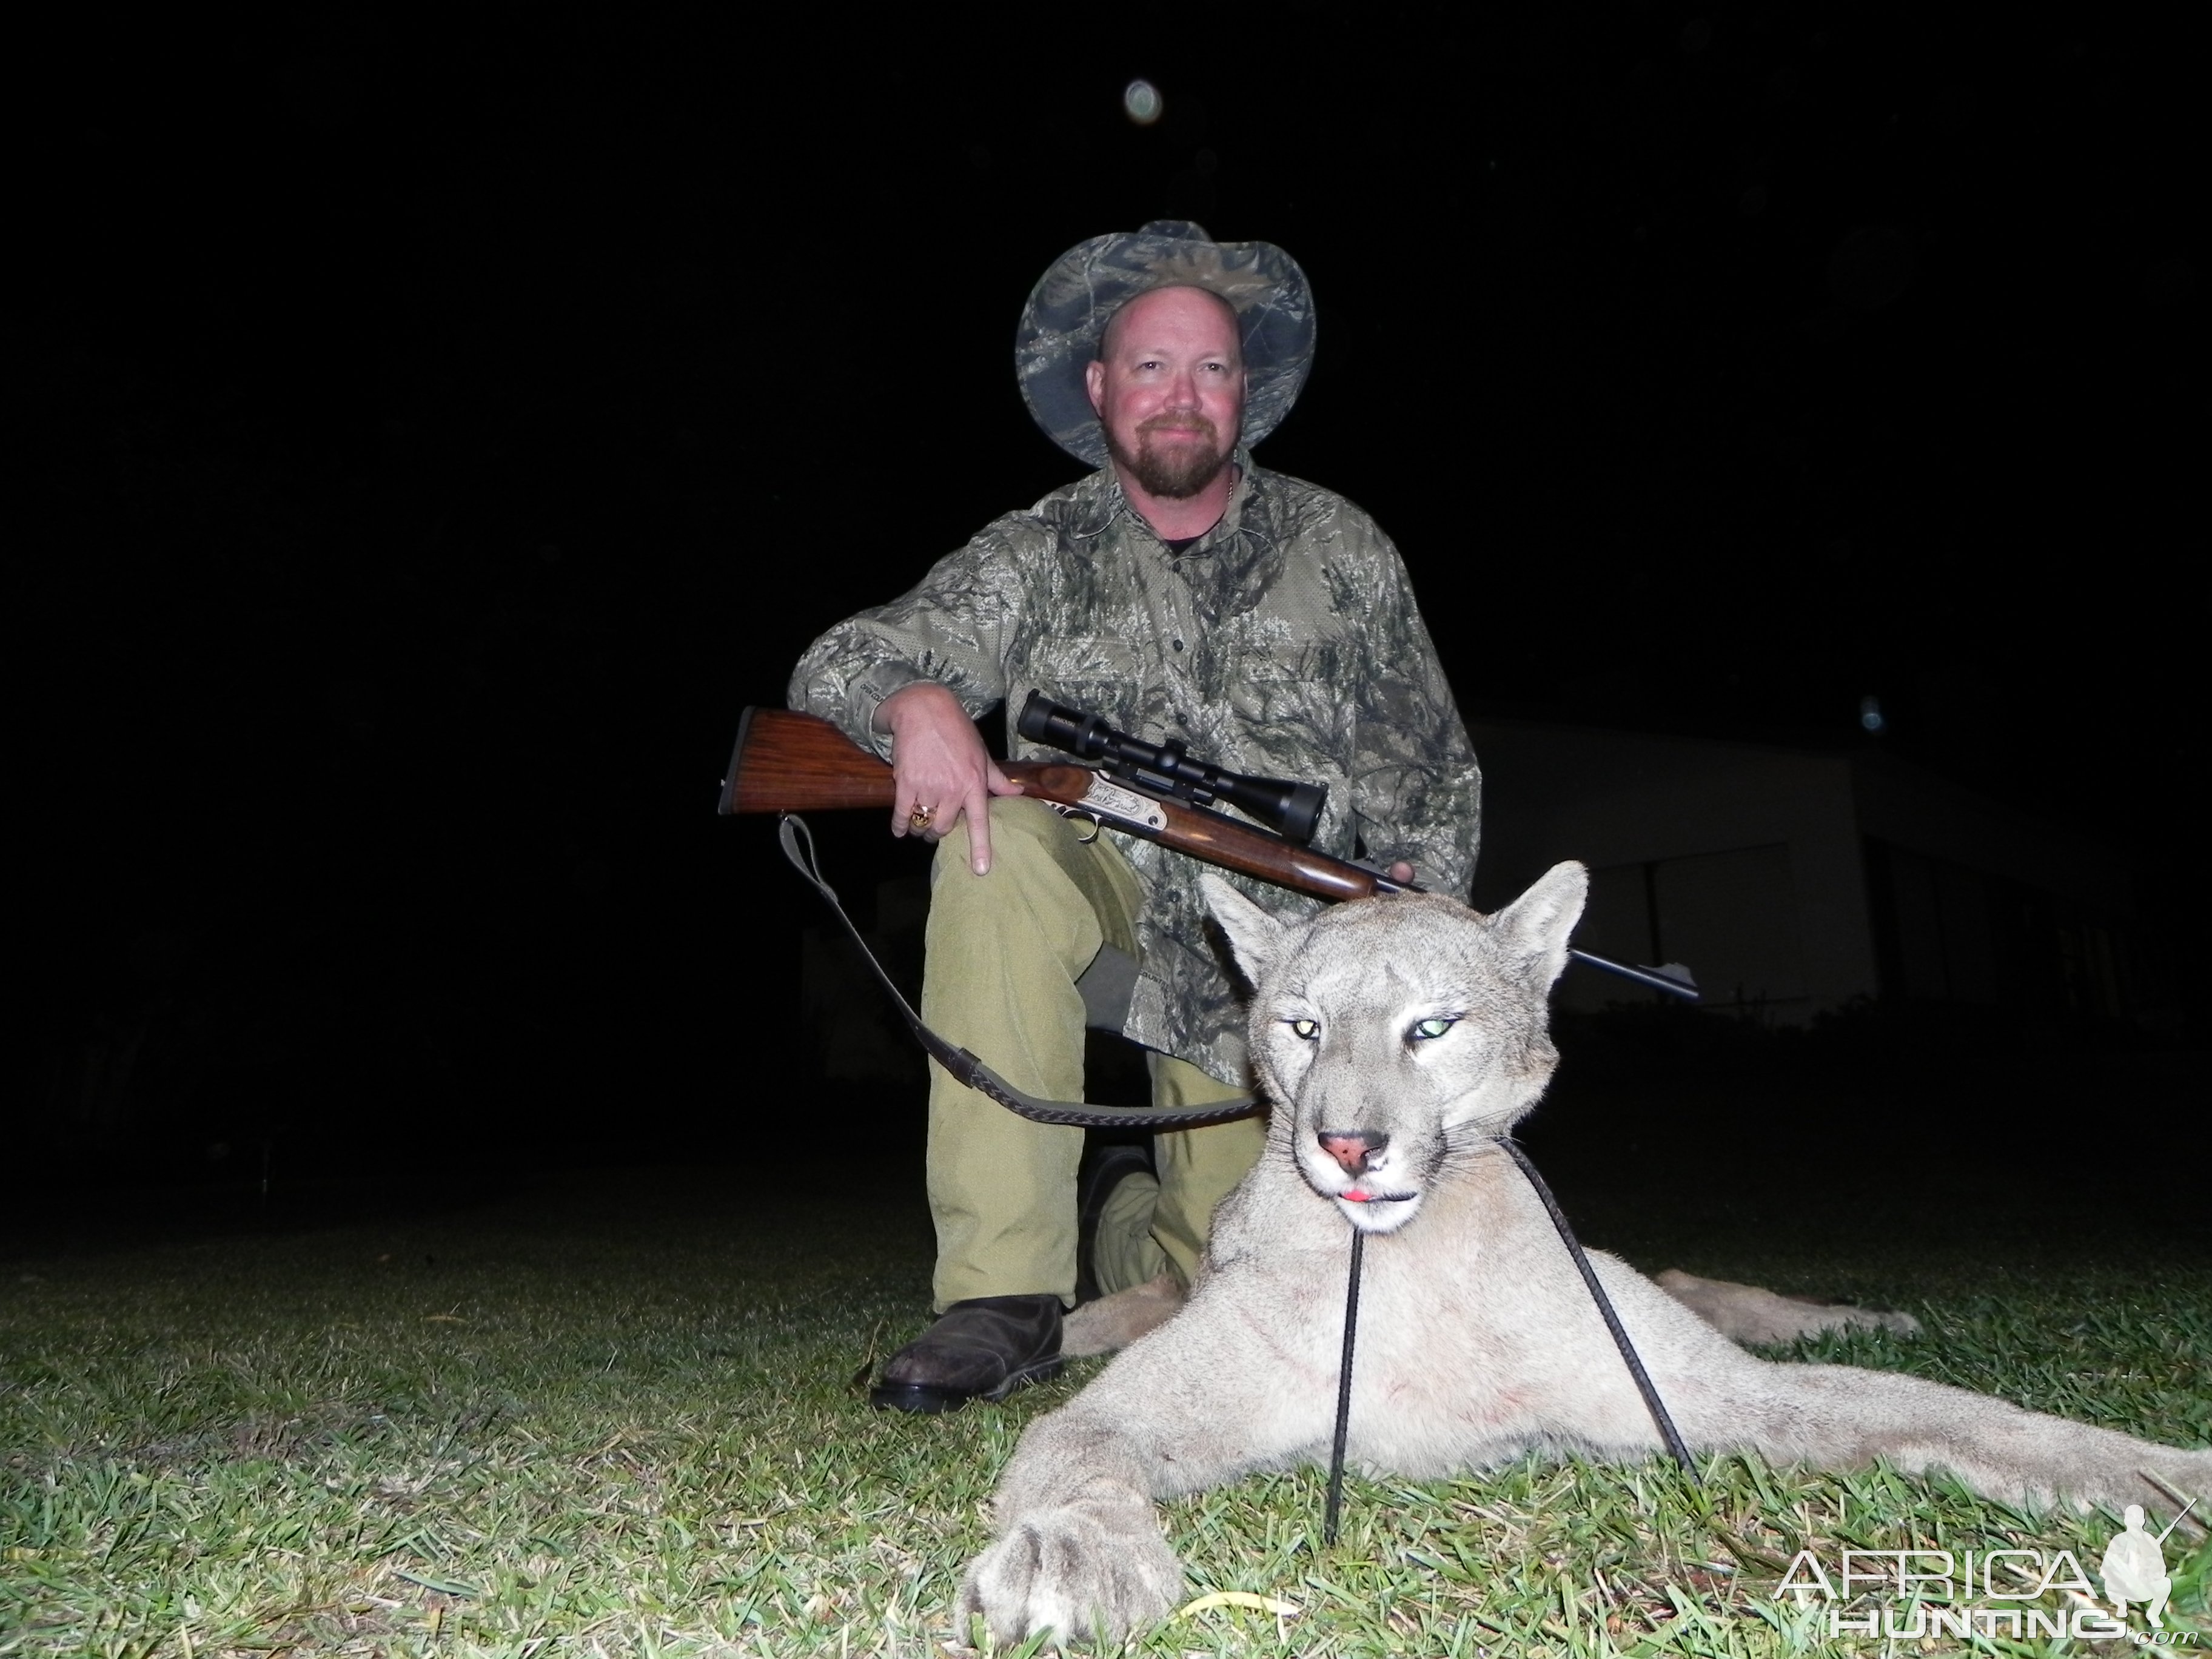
{"x":1792,"y":881}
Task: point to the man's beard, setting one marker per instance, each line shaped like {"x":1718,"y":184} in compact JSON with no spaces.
{"x":1177,"y":474}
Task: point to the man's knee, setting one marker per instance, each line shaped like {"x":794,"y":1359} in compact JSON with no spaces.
{"x":1021,"y":830}
{"x":1033,"y":898}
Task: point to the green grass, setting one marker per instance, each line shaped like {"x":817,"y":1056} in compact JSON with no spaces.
{"x":619,"y":1416}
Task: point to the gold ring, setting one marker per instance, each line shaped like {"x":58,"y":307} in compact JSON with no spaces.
{"x":918,"y":818}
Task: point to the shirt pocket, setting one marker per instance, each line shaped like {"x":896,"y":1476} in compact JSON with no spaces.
{"x":1307,"y":694}
{"x":1090,"y":673}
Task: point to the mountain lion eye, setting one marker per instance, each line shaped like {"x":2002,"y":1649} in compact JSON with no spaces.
{"x":1432,"y":1028}
{"x":1305,"y":1030}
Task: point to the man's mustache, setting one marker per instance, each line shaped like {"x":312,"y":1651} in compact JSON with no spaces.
{"x":1181,"y":422}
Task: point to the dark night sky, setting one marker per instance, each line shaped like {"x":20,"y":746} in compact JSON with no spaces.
{"x":440,"y":430}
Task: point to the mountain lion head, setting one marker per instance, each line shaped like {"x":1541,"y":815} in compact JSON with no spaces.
{"x":1398,"y":1031}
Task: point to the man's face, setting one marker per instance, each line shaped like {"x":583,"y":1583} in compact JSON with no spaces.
{"x":1169,"y":388}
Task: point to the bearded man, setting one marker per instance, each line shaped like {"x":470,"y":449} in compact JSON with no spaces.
{"x":1180,"y":592}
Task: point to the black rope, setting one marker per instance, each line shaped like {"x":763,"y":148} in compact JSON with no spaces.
{"x":1621,"y":1340}
{"x":1651,"y":1400}
{"x":1343,"y":1391}
{"x":971,"y":1072}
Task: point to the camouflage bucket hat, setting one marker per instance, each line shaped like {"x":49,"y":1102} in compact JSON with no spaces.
{"x":1073,"y":301}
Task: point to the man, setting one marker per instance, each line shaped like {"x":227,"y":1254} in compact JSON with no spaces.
{"x":1179,"y":591}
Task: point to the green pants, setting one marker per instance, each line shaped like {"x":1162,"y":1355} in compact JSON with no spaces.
{"x":1005,"y":951}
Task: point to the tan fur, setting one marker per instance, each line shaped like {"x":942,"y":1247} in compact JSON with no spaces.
{"x":1420,"y":1026}
{"x":1750,"y":1314}
{"x":1116,"y":1321}
{"x":1754,"y":1315}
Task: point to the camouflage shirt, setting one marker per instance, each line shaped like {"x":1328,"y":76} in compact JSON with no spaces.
{"x":1283,"y":643}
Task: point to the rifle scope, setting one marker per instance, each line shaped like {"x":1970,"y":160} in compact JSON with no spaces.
{"x":1291,"y":810}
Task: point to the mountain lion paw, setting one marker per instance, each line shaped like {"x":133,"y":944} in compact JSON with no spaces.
{"x":1085,"y":1573}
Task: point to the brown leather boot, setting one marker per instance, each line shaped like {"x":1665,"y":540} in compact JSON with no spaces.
{"x":987,"y":1346}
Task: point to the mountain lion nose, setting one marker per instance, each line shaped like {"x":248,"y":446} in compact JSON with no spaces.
{"x":1352,"y":1148}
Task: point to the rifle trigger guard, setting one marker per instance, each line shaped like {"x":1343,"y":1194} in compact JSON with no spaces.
{"x":1097,"y":828}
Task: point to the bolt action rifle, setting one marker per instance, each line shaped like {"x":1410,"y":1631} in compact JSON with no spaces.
{"x":785,"y":762}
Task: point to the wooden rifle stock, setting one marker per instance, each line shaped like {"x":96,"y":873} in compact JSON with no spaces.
{"x":788,"y":762}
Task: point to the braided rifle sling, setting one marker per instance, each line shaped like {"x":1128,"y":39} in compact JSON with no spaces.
{"x":971,"y":1072}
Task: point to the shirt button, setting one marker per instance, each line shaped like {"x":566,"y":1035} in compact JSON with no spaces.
{"x":1178,"y":644}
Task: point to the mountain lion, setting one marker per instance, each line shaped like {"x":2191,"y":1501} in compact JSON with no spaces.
{"x":1400,"y":1038}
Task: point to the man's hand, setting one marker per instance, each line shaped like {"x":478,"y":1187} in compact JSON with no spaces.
{"x":939,"y":767}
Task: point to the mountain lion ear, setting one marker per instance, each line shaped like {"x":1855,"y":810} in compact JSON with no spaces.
{"x":1255,"y":936}
{"x":1540,"y":922}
